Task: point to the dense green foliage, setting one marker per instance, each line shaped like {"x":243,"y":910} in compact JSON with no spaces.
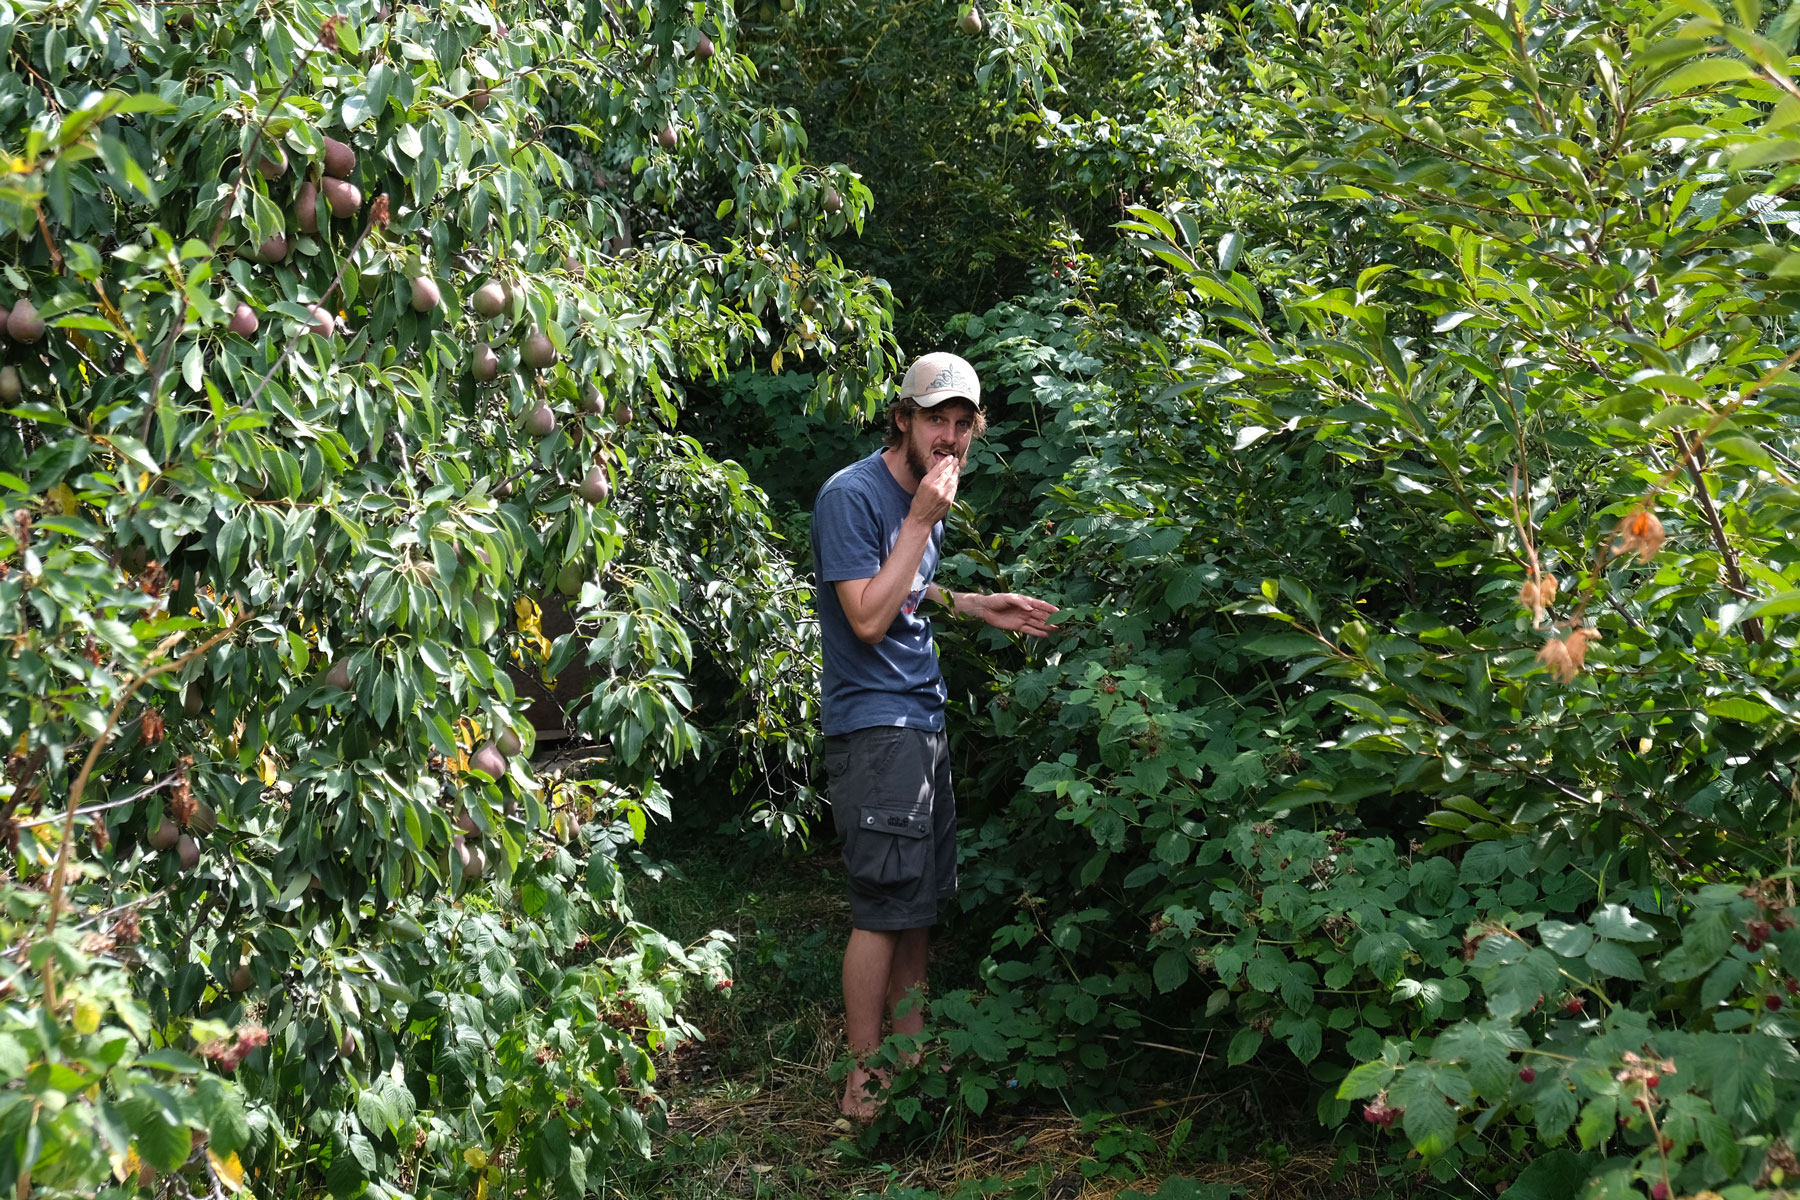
{"x":1396,"y":315}
{"x":1318,"y":341}
{"x":279,"y":537}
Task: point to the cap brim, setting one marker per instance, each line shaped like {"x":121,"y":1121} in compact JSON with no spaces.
{"x":932,"y":401}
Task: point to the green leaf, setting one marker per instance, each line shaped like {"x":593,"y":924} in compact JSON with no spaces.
{"x":1244,"y":1045}
{"x":1570,"y":941}
{"x":1616,"y":922}
{"x":1171,"y":970}
{"x":1704,"y":941}
{"x":159,"y":1142}
{"x":1612,"y":960}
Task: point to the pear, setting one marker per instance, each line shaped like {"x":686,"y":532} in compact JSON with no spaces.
{"x":323,"y":323}
{"x":572,"y":264}
{"x":425,"y":294}
{"x":23,"y":323}
{"x":538,"y":352}
{"x":568,"y":580}
{"x":480,"y":98}
{"x":489,"y":761}
{"x":834,"y":203}
{"x":541,"y":420}
{"x":347,"y":1045}
{"x":343,"y":198}
{"x":243,"y":320}
{"x":595,"y":487}
{"x":193,"y":701}
{"x":241,"y":979}
{"x":273,"y":165}
{"x":465,"y":822}
{"x":971,"y":22}
{"x":703,"y":49}
{"x":204,"y":820}
{"x":11,"y":386}
{"x":306,"y":208}
{"x":484,"y":364}
{"x":508,"y":742}
{"x":188,"y":850}
{"x":475,"y":863}
{"x":622,"y":415}
{"x":592,"y":400}
{"x":340,"y":160}
{"x":339,"y":675}
{"x":490,"y":299}
{"x":669,"y":136}
{"x":163,"y":835}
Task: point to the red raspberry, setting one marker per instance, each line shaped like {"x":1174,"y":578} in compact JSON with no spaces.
{"x":1573,"y":1005}
{"x":1651,"y":1081}
{"x":1659,"y":1191}
{"x":1527,"y":1075}
{"x":1772,"y":1003}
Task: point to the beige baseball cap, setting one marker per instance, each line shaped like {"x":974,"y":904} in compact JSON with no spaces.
{"x":938,"y":377}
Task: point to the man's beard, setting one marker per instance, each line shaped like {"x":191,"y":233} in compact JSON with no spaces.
{"x":920,"y":465}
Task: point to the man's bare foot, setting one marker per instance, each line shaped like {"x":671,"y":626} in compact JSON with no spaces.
{"x":862,"y":1094}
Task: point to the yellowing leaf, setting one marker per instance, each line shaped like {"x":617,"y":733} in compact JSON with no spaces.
{"x":64,"y":498}
{"x":467,"y":732}
{"x":87,"y":1014}
{"x":265,"y":769}
{"x":125,"y":1166}
{"x":775,"y":363}
{"x":229,"y":1170}
{"x":476,"y":1157}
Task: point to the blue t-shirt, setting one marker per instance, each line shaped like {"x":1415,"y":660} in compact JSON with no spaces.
{"x":896,"y":681}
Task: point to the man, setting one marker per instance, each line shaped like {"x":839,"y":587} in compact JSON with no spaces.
{"x":876,"y":535}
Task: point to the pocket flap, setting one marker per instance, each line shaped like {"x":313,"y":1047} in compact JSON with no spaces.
{"x":897,"y":821}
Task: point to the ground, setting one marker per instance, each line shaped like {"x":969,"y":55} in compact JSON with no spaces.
{"x":752,"y":1109}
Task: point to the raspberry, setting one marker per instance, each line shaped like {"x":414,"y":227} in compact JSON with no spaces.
{"x":1772,"y":1003}
{"x":1659,"y":1191}
{"x":1527,"y":1075}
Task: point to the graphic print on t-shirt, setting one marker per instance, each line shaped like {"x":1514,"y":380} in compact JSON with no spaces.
{"x":919,"y":583}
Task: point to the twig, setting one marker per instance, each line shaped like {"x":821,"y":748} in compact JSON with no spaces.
{"x":164,"y":782}
{"x":58,"y":877}
{"x":1696,"y":465}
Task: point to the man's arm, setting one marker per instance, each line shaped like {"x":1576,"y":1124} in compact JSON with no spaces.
{"x":872,"y":604}
{"x":1010,"y":611}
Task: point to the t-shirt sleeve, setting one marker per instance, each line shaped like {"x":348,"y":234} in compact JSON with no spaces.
{"x":849,"y":537}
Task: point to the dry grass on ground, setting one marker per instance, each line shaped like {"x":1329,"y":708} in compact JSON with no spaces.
{"x":752,"y":1110}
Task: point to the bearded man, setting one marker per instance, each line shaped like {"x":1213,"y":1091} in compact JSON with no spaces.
{"x":877,"y":533}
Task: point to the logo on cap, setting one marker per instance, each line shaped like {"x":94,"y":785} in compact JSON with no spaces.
{"x":946,"y":378}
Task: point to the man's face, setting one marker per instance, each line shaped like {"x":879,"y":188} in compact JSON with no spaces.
{"x":933,"y":434}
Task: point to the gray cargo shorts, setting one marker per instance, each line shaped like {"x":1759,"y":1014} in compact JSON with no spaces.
{"x":891,"y":800}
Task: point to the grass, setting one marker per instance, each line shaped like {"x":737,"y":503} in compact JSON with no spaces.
{"x":753,"y":1108}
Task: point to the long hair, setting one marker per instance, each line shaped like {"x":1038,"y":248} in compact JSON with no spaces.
{"x":906,"y":404}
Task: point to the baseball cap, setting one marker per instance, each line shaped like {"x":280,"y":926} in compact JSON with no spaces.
{"x":938,"y":377}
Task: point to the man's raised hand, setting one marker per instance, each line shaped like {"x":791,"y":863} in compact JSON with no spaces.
{"x":937,"y":491}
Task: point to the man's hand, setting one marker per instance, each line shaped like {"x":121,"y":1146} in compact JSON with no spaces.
{"x":1014,"y":613}
{"x":937,"y":492}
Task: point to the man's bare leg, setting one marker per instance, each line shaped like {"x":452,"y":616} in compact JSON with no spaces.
{"x":868,"y":968}
{"x":906,"y":977}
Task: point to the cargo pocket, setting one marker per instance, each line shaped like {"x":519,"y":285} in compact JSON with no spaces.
{"x":891,"y":846}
